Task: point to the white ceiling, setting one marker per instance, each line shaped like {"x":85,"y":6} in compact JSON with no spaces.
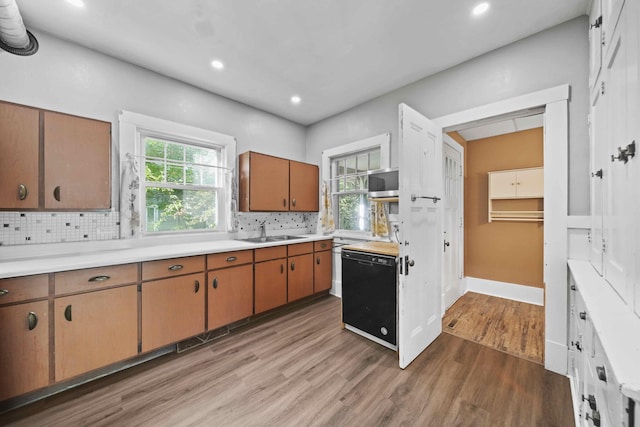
{"x":334,"y":54}
{"x":502,"y":127}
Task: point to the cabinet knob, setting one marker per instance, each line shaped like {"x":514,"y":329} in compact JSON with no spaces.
{"x":293,"y":266}
{"x":56,"y":193}
{"x":197,"y":286}
{"x":293,"y":202}
{"x":101,"y":278}
{"x":232,"y":259}
{"x":23,"y":192}
{"x":583,"y":315}
{"x":4,"y":292}
{"x":176,"y":267}
{"x":592,"y":401}
{"x":318,"y":260}
{"x":215,"y":283}
{"x":67,"y":313}
{"x":284,"y":202}
{"x":33,"y":320}
{"x":281,"y":268}
{"x":602,"y":373}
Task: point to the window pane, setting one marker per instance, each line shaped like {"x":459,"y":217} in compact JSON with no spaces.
{"x":340,"y":168}
{"x":174,"y":174}
{"x":351,"y":165}
{"x":193,"y":175}
{"x":353,"y":212}
{"x":154,"y":172}
{"x":175,"y":151}
{"x":341,"y":184}
{"x":153,"y":148}
{"x":363,"y":162}
{"x":173,"y":209}
{"x":374,"y":160}
{"x":350,"y":183}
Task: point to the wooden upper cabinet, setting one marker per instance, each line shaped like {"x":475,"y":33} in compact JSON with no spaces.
{"x":77,"y":162}
{"x":274,"y":184}
{"x":19,"y":162}
{"x":264,"y":183}
{"x":303,"y":187}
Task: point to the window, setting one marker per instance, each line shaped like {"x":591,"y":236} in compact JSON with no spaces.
{"x":182,"y":185}
{"x":180,"y":179}
{"x":350,"y":186}
{"x":346,"y":167}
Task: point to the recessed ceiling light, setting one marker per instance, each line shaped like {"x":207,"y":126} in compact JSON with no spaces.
{"x":295,"y":99}
{"x":481,"y":8}
{"x":76,"y":3}
{"x":218,"y":65}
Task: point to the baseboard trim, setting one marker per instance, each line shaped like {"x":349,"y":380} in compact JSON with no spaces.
{"x":556,"y":357}
{"x":506,"y":290}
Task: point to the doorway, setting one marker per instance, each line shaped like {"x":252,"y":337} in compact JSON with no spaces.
{"x":554,"y":102}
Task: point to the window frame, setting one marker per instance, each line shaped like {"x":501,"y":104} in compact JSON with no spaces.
{"x":381,"y":142}
{"x":134,"y":128}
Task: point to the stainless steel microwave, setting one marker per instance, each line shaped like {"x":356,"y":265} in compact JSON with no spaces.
{"x":384,"y":183}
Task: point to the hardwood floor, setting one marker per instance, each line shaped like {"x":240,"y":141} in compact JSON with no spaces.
{"x":514,"y":327}
{"x":302,"y":369}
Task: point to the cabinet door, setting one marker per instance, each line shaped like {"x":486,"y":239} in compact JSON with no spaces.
{"x":77,"y":162}
{"x":24,"y":353}
{"x":172,"y":310}
{"x":595,"y":42}
{"x":597,"y":136}
{"x":530,"y":183}
{"x":502,"y":185}
{"x":95,"y":329}
{"x":271,"y":284}
{"x":300,"y":277}
{"x":322,"y":271}
{"x":230,"y":295}
{"x":303,"y":187}
{"x":269,"y":183}
{"x":19,"y":141}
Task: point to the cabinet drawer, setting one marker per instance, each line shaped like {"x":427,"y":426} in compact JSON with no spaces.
{"x":172,"y":267}
{"x":229,"y":259}
{"x":274,"y":252}
{"x":300,"y":248}
{"x":95,"y":278}
{"x":24,"y":288}
{"x":322,"y":245}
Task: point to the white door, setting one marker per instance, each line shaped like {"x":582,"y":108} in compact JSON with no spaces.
{"x":452,"y":247}
{"x":597,"y":135}
{"x":419,"y":294}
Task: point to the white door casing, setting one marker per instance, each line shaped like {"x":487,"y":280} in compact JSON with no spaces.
{"x":420,"y":285}
{"x":453,"y":221}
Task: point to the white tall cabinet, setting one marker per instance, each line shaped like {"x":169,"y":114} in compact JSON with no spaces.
{"x":605,"y":297}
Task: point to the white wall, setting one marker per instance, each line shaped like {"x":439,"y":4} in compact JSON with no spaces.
{"x":68,"y":78}
{"x":551,"y":58}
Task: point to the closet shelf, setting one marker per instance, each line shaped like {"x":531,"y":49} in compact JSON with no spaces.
{"x":524,"y":216}
{"x":384,"y":199}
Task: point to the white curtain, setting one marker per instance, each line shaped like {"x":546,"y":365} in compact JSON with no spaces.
{"x":326,"y":224}
{"x":129,"y":193}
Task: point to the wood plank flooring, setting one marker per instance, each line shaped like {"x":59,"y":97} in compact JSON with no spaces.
{"x":514,"y":327}
{"x":302,"y":369}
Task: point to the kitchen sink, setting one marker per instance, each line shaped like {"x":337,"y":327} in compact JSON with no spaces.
{"x":270,"y":239}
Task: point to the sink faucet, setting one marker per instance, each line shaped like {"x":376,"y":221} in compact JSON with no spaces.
{"x":263,"y":230}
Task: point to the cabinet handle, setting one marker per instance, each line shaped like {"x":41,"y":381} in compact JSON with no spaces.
{"x":99,"y":278}
{"x":33,"y":320}
{"x":67,"y":313}
{"x":4,"y":292}
{"x":293,"y":266}
{"x":573,"y":287}
{"x":602,"y":373}
{"x":176,"y":267}
{"x":281,"y":268}
{"x":22,"y":192}
{"x":583,"y":315}
{"x":56,"y":193}
{"x":284,"y":202}
{"x":318,"y":260}
{"x":197,"y":286}
{"x":595,"y":417}
{"x":293,"y":202}
{"x":323,"y":245}
{"x":215,"y":283}
{"x":232,"y":258}
{"x":592,"y":401}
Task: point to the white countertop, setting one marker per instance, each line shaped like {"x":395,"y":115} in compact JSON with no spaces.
{"x":96,"y":258}
{"x":617,"y":326}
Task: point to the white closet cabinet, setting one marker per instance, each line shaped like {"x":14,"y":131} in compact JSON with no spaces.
{"x":614,"y":131}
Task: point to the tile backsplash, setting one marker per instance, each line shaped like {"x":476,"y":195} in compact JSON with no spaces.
{"x":24,"y":228}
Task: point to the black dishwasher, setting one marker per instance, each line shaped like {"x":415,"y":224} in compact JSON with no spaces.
{"x":369,"y":295}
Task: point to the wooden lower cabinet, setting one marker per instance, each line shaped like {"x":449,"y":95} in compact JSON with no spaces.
{"x":300,"y":277}
{"x":230,"y":295}
{"x":95,"y":329}
{"x":172,"y":310}
{"x":270,"y":284}
{"x":24,"y":352}
{"x":322,"y":271}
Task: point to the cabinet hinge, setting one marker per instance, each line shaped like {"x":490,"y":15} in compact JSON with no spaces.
{"x":597,"y":23}
{"x":139,"y":287}
{"x":589,"y":236}
{"x":460,"y":170}
{"x":139,"y":347}
{"x":602,"y":88}
{"x":604,"y":246}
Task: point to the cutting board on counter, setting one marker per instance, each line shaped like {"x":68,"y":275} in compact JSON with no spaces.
{"x":382,"y":248}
